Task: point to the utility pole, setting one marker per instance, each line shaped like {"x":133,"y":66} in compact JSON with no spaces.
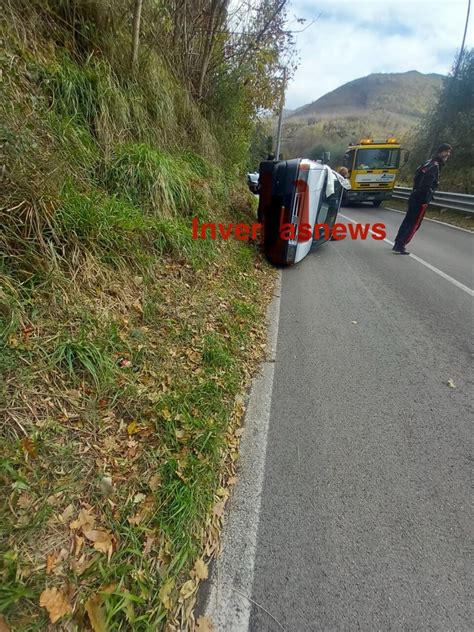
{"x":461,"y":52}
{"x":454,"y":76}
{"x":280,"y":117}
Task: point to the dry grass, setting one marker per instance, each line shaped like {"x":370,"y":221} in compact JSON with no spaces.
{"x":123,"y":400}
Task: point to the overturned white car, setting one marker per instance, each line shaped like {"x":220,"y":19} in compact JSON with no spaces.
{"x":295,"y":196}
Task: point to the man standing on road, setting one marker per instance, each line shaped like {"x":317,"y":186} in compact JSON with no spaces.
{"x":424,"y":186}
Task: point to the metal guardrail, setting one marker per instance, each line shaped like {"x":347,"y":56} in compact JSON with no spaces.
{"x":458,"y":202}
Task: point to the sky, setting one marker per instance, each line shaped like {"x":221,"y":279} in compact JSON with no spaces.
{"x":352,"y":39}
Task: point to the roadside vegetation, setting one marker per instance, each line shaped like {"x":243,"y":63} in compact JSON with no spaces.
{"x":125,"y":345}
{"x":449,"y":120}
{"x":440,"y":214}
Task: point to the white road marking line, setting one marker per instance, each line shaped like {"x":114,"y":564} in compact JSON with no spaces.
{"x":442,"y":274}
{"x":430,"y":219}
{"x":233,"y":573}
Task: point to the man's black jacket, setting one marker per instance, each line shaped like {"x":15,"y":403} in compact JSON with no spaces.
{"x":426,"y":180}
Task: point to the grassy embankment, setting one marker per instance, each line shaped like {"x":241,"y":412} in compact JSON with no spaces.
{"x":125,"y":345}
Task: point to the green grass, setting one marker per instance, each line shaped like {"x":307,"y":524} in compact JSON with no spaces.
{"x":81,"y":356}
{"x":155,"y":179}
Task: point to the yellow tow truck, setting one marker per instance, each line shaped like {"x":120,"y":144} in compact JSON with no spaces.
{"x":373,"y":167}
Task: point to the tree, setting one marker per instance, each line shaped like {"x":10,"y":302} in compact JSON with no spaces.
{"x":451,"y":120}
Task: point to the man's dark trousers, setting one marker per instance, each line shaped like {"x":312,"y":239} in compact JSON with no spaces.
{"x":412,"y":221}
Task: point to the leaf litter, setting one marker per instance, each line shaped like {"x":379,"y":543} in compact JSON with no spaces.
{"x":126,"y":452}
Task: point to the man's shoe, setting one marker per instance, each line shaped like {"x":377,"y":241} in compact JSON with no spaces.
{"x":400,"y":250}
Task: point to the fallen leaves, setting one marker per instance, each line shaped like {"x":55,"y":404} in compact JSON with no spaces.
{"x":147,"y":504}
{"x":29,"y":447}
{"x":154,"y":482}
{"x":150,"y":541}
{"x":96,"y":611}
{"x":103,"y":541}
{"x":51,"y":561}
{"x":188,"y":589}
{"x":201,"y":569}
{"x":112,"y":478}
{"x":133,"y":428}
{"x":218,"y":509}
{"x":451,"y":383}
{"x":85,"y":520}
{"x":25,"y":501}
{"x":56,"y":603}
{"x":81,"y":565}
{"x":66,"y":515}
{"x":164,"y":593}
{"x":204,"y":624}
{"x":3,"y":625}
{"x":138,"y":498}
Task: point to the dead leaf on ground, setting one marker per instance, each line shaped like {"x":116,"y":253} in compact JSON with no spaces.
{"x":51,"y":562}
{"x":165,"y":413}
{"x":103,"y":541}
{"x":137,"y":518}
{"x":218,"y":509}
{"x":29,"y":447}
{"x":81,"y":565}
{"x":55,"y":499}
{"x":95,"y":609}
{"x":154,"y":482}
{"x":85,"y":520}
{"x":4,"y":627}
{"x":67,"y":514}
{"x":201,"y":569}
{"x":133,"y":428}
{"x":451,"y":384}
{"x":56,"y":603}
{"x":188,"y":589}
{"x":165,"y":592}
{"x":150,"y":540}
{"x":25,"y":501}
{"x":78,"y":544}
{"x":204,"y":624}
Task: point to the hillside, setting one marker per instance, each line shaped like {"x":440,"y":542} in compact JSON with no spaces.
{"x":126,"y":341}
{"x":378,"y":104}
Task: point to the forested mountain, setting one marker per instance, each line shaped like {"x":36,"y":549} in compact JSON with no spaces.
{"x":376,"y":105}
{"x":377,"y":92}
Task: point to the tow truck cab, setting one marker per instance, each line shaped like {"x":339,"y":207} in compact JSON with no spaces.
{"x":373,"y":167}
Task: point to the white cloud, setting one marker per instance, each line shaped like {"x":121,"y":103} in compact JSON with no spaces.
{"x":353,"y":39}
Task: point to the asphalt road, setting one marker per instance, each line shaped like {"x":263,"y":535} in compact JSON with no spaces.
{"x":365,"y":519}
